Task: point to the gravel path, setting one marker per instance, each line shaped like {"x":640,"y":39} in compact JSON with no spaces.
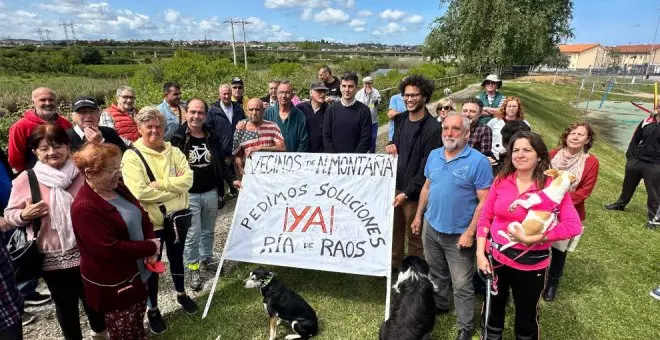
{"x":46,"y":327}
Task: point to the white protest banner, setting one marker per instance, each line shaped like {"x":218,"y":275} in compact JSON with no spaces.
{"x":328,"y":212}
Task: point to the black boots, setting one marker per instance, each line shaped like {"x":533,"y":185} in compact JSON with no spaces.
{"x":550,"y":292}
{"x":615,"y":206}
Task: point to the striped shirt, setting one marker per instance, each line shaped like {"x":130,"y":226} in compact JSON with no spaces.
{"x":266,"y":134}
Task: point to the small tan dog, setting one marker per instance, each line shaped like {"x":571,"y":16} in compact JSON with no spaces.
{"x":541,"y":207}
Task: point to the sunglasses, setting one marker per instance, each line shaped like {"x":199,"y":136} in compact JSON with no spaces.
{"x":446,"y":108}
{"x":488,"y":82}
{"x":237,"y":87}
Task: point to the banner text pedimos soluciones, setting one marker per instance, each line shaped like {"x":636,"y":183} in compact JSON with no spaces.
{"x":324,"y":164}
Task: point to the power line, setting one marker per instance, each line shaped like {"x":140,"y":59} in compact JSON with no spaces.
{"x":66,"y":32}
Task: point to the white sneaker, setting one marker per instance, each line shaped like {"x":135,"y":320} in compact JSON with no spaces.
{"x":100,"y":336}
{"x":656,"y":293}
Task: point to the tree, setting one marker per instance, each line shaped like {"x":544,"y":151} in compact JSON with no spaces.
{"x":499,"y":32}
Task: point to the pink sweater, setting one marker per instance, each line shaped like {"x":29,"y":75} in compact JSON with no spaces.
{"x":495,"y":216}
{"x":48,"y":241}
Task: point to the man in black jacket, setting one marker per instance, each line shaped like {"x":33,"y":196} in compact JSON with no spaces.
{"x":347,"y":122}
{"x":314,"y":110}
{"x":222,"y":118}
{"x":200,"y":145}
{"x":643,"y":161}
{"x":271,"y":98}
{"x":416,"y":134}
{"x":86,"y":116}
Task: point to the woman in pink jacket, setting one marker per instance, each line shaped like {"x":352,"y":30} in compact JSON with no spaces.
{"x":521,"y":268}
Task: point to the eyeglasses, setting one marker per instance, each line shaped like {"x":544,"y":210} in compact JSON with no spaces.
{"x":127,"y":97}
{"x":237,"y":87}
{"x":411,"y":95}
{"x":446,"y":108}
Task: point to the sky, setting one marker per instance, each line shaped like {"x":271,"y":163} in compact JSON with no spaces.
{"x":609,"y":22}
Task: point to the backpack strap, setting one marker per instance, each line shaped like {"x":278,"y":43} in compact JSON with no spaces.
{"x":36,"y":197}
{"x":150,"y":174}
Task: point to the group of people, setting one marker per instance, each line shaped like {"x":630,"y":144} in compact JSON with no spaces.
{"x":114,"y":183}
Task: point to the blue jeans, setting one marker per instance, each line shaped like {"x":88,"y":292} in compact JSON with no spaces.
{"x":199,"y":242}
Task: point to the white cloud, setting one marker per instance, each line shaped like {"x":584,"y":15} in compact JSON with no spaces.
{"x":392,"y":14}
{"x":172,"y":16}
{"x":24,"y":13}
{"x":294,"y":3}
{"x":364,"y":13}
{"x":346,"y":3}
{"x":357,"y":22}
{"x":64,"y":6}
{"x":359,"y":29}
{"x":390,"y":28}
{"x":415,"y":19}
{"x":331,"y":15}
{"x":307,"y":14}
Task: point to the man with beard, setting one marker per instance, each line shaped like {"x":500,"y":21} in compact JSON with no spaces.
{"x":416,"y":134}
{"x":457,"y":181}
{"x":120,"y":116}
{"x":86,"y":116}
{"x":172,"y":109}
{"x":347,"y":122}
{"x":481,"y":136}
{"x":315,"y":112}
{"x":44,"y":111}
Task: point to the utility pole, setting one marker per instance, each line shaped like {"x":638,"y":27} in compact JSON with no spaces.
{"x":233,"y":38}
{"x":41,"y":35}
{"x":243,"y":22}
{"x":652,"y":47}
{"x":66,"y":32}
{"x":73,"y":33}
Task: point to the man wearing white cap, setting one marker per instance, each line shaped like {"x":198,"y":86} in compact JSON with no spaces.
{"x":491,"y":98}
{"x":370,"y":97}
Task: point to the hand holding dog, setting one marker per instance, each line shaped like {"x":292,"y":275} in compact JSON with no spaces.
{"x":519,"y":236}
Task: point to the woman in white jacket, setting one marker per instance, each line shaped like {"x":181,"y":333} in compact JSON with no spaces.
{"x":511,"y":109}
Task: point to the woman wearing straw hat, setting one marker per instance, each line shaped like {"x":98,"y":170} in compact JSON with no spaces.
{"x":491,"y":98}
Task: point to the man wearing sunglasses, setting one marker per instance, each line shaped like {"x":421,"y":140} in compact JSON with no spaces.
{"x":490,"y":97}
{"x":238,"y":92}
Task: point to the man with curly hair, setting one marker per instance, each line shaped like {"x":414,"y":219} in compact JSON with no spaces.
{"x":416,"y":134}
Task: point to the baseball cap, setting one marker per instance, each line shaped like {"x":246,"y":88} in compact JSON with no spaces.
{"x":83,"y":101}
{"x":318,"y":86}
{"x":237,"y":80}
{"x":368,"y":80}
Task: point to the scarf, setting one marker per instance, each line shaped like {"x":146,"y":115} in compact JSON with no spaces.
{"x":574,"y":164}
{"x":58,"y":180}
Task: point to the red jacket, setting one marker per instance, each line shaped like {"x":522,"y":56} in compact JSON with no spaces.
{"x":124,"y":123}
{"x":107,"y":255}
{"x":18,"y":152}
{"x":586,"y":185}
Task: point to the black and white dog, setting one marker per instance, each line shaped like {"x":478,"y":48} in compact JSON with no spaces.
{"x":283,"y":304}
{"x":412,"y":315}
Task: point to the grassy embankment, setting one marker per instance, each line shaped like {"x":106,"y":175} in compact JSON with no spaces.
{"x":604,"y":294}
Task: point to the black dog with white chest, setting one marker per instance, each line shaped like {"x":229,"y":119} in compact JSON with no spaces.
{"x":283,"y":304}
{"x":412,"y":315}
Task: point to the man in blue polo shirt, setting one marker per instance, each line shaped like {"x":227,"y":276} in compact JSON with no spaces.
{"x":457,"y":182}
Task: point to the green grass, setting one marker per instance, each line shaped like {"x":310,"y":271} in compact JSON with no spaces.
{"x":604,"y":293}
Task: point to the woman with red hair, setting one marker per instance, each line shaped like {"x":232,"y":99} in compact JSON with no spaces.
{"x":116,"y":240}
{"x":511,"y":109}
